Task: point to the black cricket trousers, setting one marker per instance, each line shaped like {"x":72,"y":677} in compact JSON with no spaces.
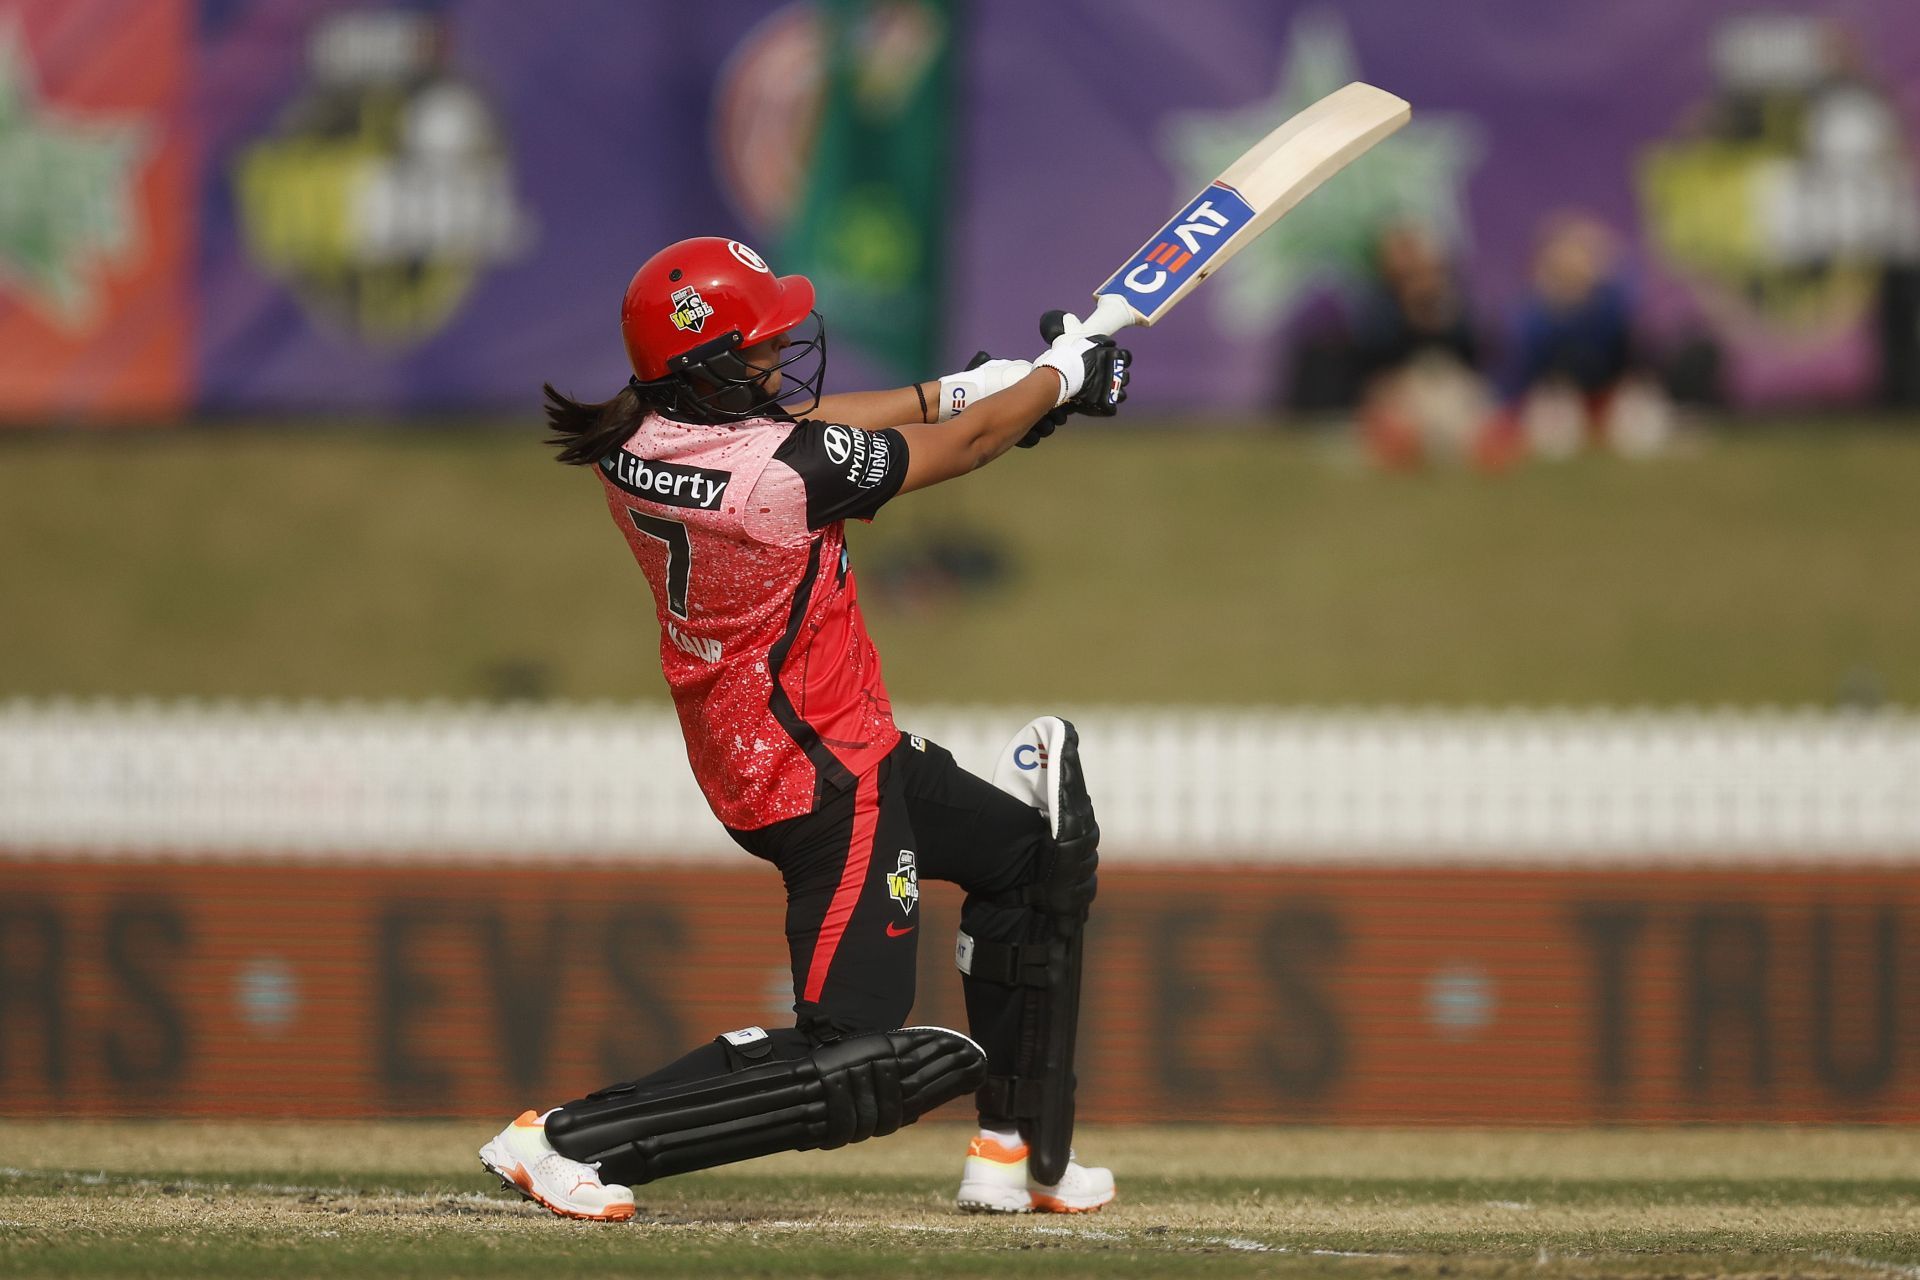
{"x":852,"y":869}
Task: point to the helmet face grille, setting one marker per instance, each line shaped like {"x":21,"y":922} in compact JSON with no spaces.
{"x":712,"y":382}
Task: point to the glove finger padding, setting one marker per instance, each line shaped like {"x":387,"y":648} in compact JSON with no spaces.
{"x":1038,"y":431}
{"x":1081,"y":360}
{"x":1106,"y":387}
{"x":1041,"y":430}
{"x":984,"y":376}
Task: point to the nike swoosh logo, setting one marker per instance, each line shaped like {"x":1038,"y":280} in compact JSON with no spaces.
{"x":893,"y":932}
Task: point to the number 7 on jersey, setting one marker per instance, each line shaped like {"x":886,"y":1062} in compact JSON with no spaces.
{"x":679,"y":556}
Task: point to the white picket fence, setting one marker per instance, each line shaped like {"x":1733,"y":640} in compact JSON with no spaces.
{"x":466,"y":783}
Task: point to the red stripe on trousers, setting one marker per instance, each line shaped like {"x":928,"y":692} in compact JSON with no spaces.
{"x":866,"y":822}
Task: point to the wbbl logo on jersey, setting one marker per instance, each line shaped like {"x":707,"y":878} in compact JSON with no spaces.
{"x":1181,"y":249}
{"x":903,"y":883}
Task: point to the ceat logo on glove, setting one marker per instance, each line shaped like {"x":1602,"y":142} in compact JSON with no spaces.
{"x":747,"y":257}
{"x":1029,"y":757}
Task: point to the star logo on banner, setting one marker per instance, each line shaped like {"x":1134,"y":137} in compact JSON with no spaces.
{"x":1419,"y":175}
{"x":67,"y":208}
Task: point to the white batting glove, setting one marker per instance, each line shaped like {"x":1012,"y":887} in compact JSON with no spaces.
{"x":960,"y":390}
{"x":1069,"y":324}
{"x":1075,"y":357}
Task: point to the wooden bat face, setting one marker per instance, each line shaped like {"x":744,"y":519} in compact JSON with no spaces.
{"x":1274,"y":175}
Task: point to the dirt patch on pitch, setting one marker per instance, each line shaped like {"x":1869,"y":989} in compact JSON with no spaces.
{"x":65,"y":1203}
{"x":302,"y":1198}
{"x":285,"y":1223}
{"x":934,"y":1150}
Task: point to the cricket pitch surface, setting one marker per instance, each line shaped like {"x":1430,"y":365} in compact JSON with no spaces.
{"x":409,"y":1198}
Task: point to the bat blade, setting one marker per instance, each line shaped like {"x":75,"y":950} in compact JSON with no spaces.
{"x":1253,"y":193}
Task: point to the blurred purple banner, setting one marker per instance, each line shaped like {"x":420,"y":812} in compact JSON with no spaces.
{"x":437,"y":206}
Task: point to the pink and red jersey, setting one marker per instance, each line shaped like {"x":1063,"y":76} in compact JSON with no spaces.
{"x":738,"y":529}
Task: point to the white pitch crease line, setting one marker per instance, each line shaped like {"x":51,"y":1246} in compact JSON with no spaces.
{"x":1870,"y":1264}
{"x":1237,"y":1242}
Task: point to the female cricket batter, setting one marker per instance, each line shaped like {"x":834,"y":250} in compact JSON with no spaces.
{"x":734,"y":508}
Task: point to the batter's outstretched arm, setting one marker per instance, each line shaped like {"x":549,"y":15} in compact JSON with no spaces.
{"x":877,"y":410}
{"x":997,"y":422}
{"x":981,"y":434}
{"x":938,"y":400}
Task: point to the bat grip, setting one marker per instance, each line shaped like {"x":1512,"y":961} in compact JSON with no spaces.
{"x":1110,"y":315}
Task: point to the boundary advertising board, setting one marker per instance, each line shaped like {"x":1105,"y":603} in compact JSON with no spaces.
{"x":1388,"y":994}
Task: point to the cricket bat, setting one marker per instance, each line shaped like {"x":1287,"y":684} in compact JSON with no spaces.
{"x":1254,"y":192}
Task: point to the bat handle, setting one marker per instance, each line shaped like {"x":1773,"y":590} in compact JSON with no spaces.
{"x":1110,"y":315}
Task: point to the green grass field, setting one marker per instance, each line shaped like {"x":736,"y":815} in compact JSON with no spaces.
{"x":1145,"y":565}
{"x":177,"y":1199}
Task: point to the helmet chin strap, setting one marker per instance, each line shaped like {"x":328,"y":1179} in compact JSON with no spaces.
{"x":742,"y":397}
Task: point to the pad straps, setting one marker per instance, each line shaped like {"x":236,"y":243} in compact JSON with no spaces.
{"x":1011,"y":964}
{"x":1017,"y":1097}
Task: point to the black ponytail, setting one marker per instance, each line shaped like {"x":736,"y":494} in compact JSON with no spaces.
{"x":586,"y":432}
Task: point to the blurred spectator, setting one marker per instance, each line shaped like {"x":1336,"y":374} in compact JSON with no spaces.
{"x":926,"y":569}
{"x":1320,"y":368}
{"x":1572,"y":375}
{"x":1417,"y":353}
{"x":1417,"y":306}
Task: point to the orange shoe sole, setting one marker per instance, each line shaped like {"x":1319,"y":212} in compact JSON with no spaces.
{"x":520,"y":1180}
{"x":1048,"y":1204}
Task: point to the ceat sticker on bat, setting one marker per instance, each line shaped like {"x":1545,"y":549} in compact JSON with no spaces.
{"x":1181,"y":248}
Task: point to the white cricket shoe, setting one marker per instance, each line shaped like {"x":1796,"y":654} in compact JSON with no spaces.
{"x":525,"y":1161}
{"x":994,"y":1180}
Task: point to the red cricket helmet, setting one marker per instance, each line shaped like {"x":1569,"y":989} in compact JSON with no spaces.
{"x":696,"y":291}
